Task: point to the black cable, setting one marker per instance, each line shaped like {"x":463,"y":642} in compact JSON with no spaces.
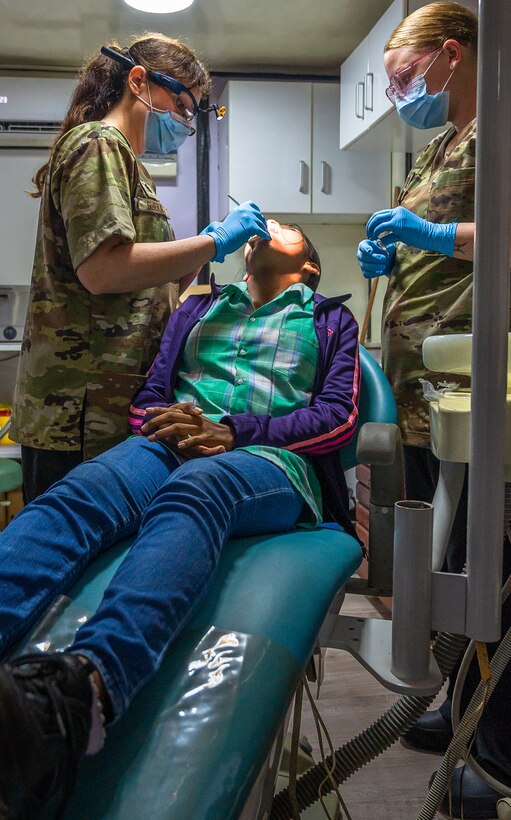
{"x":203,"y":219}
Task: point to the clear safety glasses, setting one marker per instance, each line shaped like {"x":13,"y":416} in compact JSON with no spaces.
{"x":402,"y":80}
{"x":187,"y":107}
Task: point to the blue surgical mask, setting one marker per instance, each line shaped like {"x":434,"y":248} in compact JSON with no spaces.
{"x":164,"y":134}
{"x":420,"y":109}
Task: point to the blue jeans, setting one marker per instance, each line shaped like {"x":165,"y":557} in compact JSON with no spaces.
{"x":183,"y":514}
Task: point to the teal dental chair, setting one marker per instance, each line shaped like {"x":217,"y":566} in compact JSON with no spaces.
{"x":194,"y":743}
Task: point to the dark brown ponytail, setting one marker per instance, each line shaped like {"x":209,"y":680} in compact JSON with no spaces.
{"x":102,"y":82}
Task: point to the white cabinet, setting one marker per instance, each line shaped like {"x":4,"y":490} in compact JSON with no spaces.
{"x":279,"y":145}
{"x":363,"y":79}
{"x":368,"y":121}
{"x":353,"y":112}
{"x":265,"y":145}
{"x":347,"y":182}
{"x":377,"y":102}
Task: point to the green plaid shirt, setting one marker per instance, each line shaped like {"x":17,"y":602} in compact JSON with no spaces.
{"x":238,"y":359}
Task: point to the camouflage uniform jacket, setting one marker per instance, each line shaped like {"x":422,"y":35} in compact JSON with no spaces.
{"x":83,"y":355}
{"x":428,"y":294}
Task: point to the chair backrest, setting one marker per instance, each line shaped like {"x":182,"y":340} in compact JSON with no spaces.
{"x":377,"y":403}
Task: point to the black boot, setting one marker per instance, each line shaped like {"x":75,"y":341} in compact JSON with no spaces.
{"x":45,"y":718}
{"x":471,"y":792}
{"x":431,"y":733}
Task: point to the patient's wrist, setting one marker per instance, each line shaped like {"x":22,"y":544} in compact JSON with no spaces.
{"x":231,"y":437}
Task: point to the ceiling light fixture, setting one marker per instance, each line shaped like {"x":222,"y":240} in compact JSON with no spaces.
{"x":159,"y":6}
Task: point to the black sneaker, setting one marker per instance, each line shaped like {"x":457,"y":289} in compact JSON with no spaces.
{"x":45,"y":718}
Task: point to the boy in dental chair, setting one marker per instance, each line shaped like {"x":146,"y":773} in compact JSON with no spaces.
{"x":238,"y":428}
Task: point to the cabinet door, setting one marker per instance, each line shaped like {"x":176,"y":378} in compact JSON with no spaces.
{"x":343,"y":182}
{"x":268,"y":132}
{"x":363,"y":79}
{"x":376,"y":81}
{"x":353,"y":86}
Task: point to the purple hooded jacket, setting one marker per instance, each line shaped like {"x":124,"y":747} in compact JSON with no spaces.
{"x":316,"y":431}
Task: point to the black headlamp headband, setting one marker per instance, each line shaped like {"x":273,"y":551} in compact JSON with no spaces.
{"x":163,"y":80}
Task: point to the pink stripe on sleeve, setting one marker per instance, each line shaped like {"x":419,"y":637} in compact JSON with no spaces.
{"x":326,"y":440}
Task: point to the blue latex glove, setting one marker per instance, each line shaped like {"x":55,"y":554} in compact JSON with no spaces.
{"x":401,"y":225}
{"x":374,"y":260}
{"x":239,"y":225}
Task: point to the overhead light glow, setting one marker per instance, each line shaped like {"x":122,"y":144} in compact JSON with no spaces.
{"x":159,"y":6}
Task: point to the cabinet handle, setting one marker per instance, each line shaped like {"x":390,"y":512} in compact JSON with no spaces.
{"x":369,"y":85}
{"x":304,"y":177}
{"x":325,"y":178}
{"x":360,"y":94}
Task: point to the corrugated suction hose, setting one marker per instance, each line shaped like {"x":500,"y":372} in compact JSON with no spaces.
{"x":464,"y":731}
{"x":468,"y":723}
{"x":374,"y":740}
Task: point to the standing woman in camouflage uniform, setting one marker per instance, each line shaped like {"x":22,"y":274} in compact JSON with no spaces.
{"x":427,"y":252}
{"x":105,"y":254}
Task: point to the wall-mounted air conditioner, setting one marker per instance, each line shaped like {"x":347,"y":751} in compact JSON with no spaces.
{"x":32,"y":109}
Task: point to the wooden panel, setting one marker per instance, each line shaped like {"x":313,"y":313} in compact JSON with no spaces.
{"x":363,"y":570}
{"x":362,"y":514}
{"x":362,"y":494}
{"x":363,"y":533}
{"x":363,"y":474}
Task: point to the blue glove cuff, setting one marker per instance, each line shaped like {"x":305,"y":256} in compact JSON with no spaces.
{"x":219,"y":256}
{"x":210,"y":230}
{"x":446,"y":235}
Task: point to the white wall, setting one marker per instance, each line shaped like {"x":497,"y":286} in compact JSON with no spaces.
{"x":178,"y":194}
{"x":18,"y":214}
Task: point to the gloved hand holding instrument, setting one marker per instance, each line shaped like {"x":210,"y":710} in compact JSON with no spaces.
{"x":376,"y":254}
{"x":401,"y":225}
{"x":375,"y":259}
{"x":239,"y":225}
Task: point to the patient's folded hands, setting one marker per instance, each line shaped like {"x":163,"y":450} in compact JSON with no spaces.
{"x":184,"y":426}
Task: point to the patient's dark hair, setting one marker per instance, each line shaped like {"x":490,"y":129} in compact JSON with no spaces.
{"x":312,"y":256}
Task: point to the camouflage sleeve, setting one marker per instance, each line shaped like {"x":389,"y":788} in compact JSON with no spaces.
{"x":156,"y":392}
{"x":92,"y":189}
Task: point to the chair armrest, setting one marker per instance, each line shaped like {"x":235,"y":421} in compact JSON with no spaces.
{"x":379,"y":446}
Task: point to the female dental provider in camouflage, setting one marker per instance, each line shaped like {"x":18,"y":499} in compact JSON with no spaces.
{"x":425,"y":245}
{"x":431,"y":61}
{"x":105,"y":253}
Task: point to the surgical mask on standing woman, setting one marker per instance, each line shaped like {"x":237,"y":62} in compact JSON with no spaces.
{"x":164,"y":133}
{"x":420,"y":109}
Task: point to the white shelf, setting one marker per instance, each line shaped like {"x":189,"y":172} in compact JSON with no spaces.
{"x":10,"y":451}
